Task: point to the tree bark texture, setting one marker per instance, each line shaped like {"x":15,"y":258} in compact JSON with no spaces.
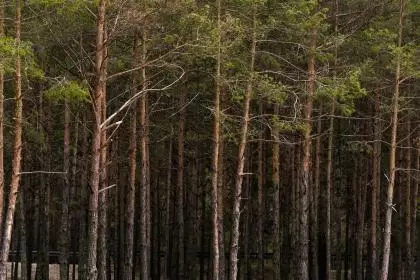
{"x":236,"y":211}
{"x":391,"y":183}
{"x":98,"y":94}
{"x":17,"y":153}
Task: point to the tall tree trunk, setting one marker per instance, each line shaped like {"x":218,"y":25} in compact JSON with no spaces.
{"x":168,"y":197}
{"x":260,"y":197}
{"x":82,"y":263}
{"x":416,"y":263}
{"x":391,"y":183}
{"x":215,"y":156}
{"x":372,"y":270}
{"x":64,"y":226}
{"x":407,"y":213}
{"x":23,"y":240}
{"x":180,"y":183}
{"x":220,"y":195}
{"x":130,"y":193}
{"x":327,"y":228}
{"x":102,"y":215}
{"x":144,"y":195}
{"x":276,"y":194}
{"x":96,"y":144}
{"x":2,"y":6}
{"x":318,"y":260}
{"x":304,"y":185}
{"x":17,"y":153}
{"x":236,"y":211}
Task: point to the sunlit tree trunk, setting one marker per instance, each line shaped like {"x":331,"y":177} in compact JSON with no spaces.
{"x":145,"y":182}
{"x":304,"y":185}
{"x":103,"y":197}
{"x":215,"y":155}
{"x":2,"y":6}
{"x":391,"y":183}
{"x":236,"y":211}
{"x":17,"y":153}
{"x":98,"y":95}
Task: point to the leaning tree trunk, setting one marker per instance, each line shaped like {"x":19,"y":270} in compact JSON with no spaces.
{"x":302,"y":248}
{"x":391,"y":182}
{"x":96,"y":145}
{"x":236,"y":211}
{"x":17,"y":154}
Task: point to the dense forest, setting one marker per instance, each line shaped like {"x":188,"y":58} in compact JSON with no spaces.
{"x":209,"y":139}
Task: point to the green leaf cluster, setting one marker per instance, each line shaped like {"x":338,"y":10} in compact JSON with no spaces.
{"x":70,"y":91}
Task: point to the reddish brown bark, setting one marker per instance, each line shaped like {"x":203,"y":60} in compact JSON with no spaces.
{"x":304,"y":185}
{"x":17,"y":153}
{"x":98,"y":94}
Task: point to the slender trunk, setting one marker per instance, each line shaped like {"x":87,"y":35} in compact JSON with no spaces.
{"x":2,"y":6}
{"x":318,"y":259}
{"x":130,"y":193}
{"x":276,"y":194}
{"x":372,"y":271}
{"x":220,"y":196}
{"x":64,"y":226}
{"x":302,"y":248}
{"x":391,"y":183}
{"x":96,"y":145}
{"x":180,"y":183}
{"x":236,"y":211}
{"x":102,"y":215}
{"x":260,"y":197}
{"x":328,"y":194}
{"x":23,"y":240}
{"x":144,"y":213}
{"x":407,"y":217}
{"x":17,"y":154}
{"x":167,"y":251}
{"x":216,"y":144}
{"x":361,"y":205}
{"x":414,"y":198}
{"x":82,"y":263}
{"x":74,"y":222}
